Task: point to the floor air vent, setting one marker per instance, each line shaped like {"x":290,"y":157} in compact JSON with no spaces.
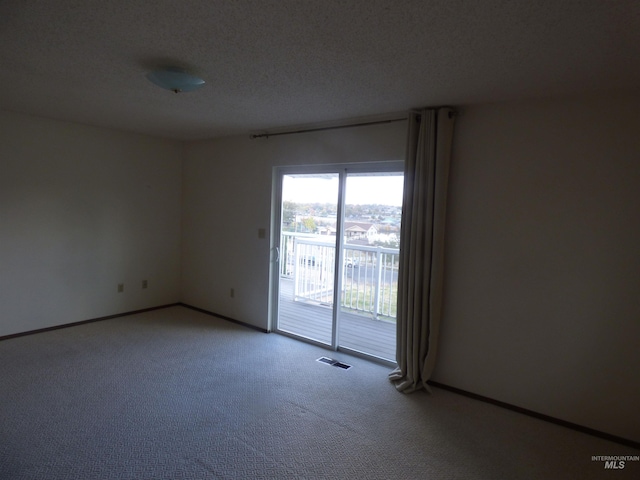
{"x":333,"y":363}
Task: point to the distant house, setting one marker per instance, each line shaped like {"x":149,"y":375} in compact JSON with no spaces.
{"x":359,"y":230}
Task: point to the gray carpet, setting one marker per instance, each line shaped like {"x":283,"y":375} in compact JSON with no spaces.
{"x":176,"y":394}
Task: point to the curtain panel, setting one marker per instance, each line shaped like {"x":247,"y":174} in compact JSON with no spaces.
{"x":420,"y":280}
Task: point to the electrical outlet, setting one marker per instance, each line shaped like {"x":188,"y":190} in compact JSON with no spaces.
{"x":144,"y":284}
{"x":120,"y":287}
{"x":232,"y":293}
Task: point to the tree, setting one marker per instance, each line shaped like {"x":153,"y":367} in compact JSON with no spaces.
{"x":309,"y":223}
{"x":289,"y":209}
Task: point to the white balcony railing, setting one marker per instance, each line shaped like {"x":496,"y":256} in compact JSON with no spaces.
{"x":369,"y":274}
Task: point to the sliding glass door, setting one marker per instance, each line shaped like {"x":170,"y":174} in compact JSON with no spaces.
{"x":334,"y":277}
{"x":369,"y":288}
{"x":307,"y":253}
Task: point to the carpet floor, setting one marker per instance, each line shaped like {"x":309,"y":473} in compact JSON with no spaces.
{"x":177,"y":394}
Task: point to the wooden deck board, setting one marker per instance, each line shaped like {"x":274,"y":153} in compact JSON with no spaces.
{"x":357,"y":332}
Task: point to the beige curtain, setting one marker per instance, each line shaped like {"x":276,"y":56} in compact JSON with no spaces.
{"x":426,"y":175}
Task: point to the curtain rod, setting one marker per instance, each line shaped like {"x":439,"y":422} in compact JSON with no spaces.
{"x":318,"y":129}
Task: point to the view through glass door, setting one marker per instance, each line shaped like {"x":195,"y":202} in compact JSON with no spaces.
{"x":337,"y":266}
{"x":369,"y":290}
{"x":307,"y":255}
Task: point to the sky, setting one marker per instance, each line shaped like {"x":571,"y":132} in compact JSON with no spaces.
{"x":361,"y":190}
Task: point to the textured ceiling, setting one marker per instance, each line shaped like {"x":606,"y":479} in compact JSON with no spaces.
{"x":275,"y":63}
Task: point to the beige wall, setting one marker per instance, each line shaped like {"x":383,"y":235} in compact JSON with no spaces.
{"x":543,"y":264}
{"x":542,"y":274}
{"x":227,"y":198}
{"x":542,"y":306}
{"x":81,"y":210}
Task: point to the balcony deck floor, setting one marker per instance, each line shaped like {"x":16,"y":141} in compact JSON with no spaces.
{"x":356,"y":331}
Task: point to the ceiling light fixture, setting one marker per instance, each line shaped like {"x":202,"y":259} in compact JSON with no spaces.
{"x":175,"y":79}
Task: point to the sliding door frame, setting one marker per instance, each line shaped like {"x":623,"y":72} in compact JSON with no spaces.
{"x":342,"y":170}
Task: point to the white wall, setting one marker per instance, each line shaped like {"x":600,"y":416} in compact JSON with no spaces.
{"x":227,"y":198}
{"x":543,"y":264}
{"x":543,"y":258}
{"x":542,"y":288}
{"x":81,"y":210}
